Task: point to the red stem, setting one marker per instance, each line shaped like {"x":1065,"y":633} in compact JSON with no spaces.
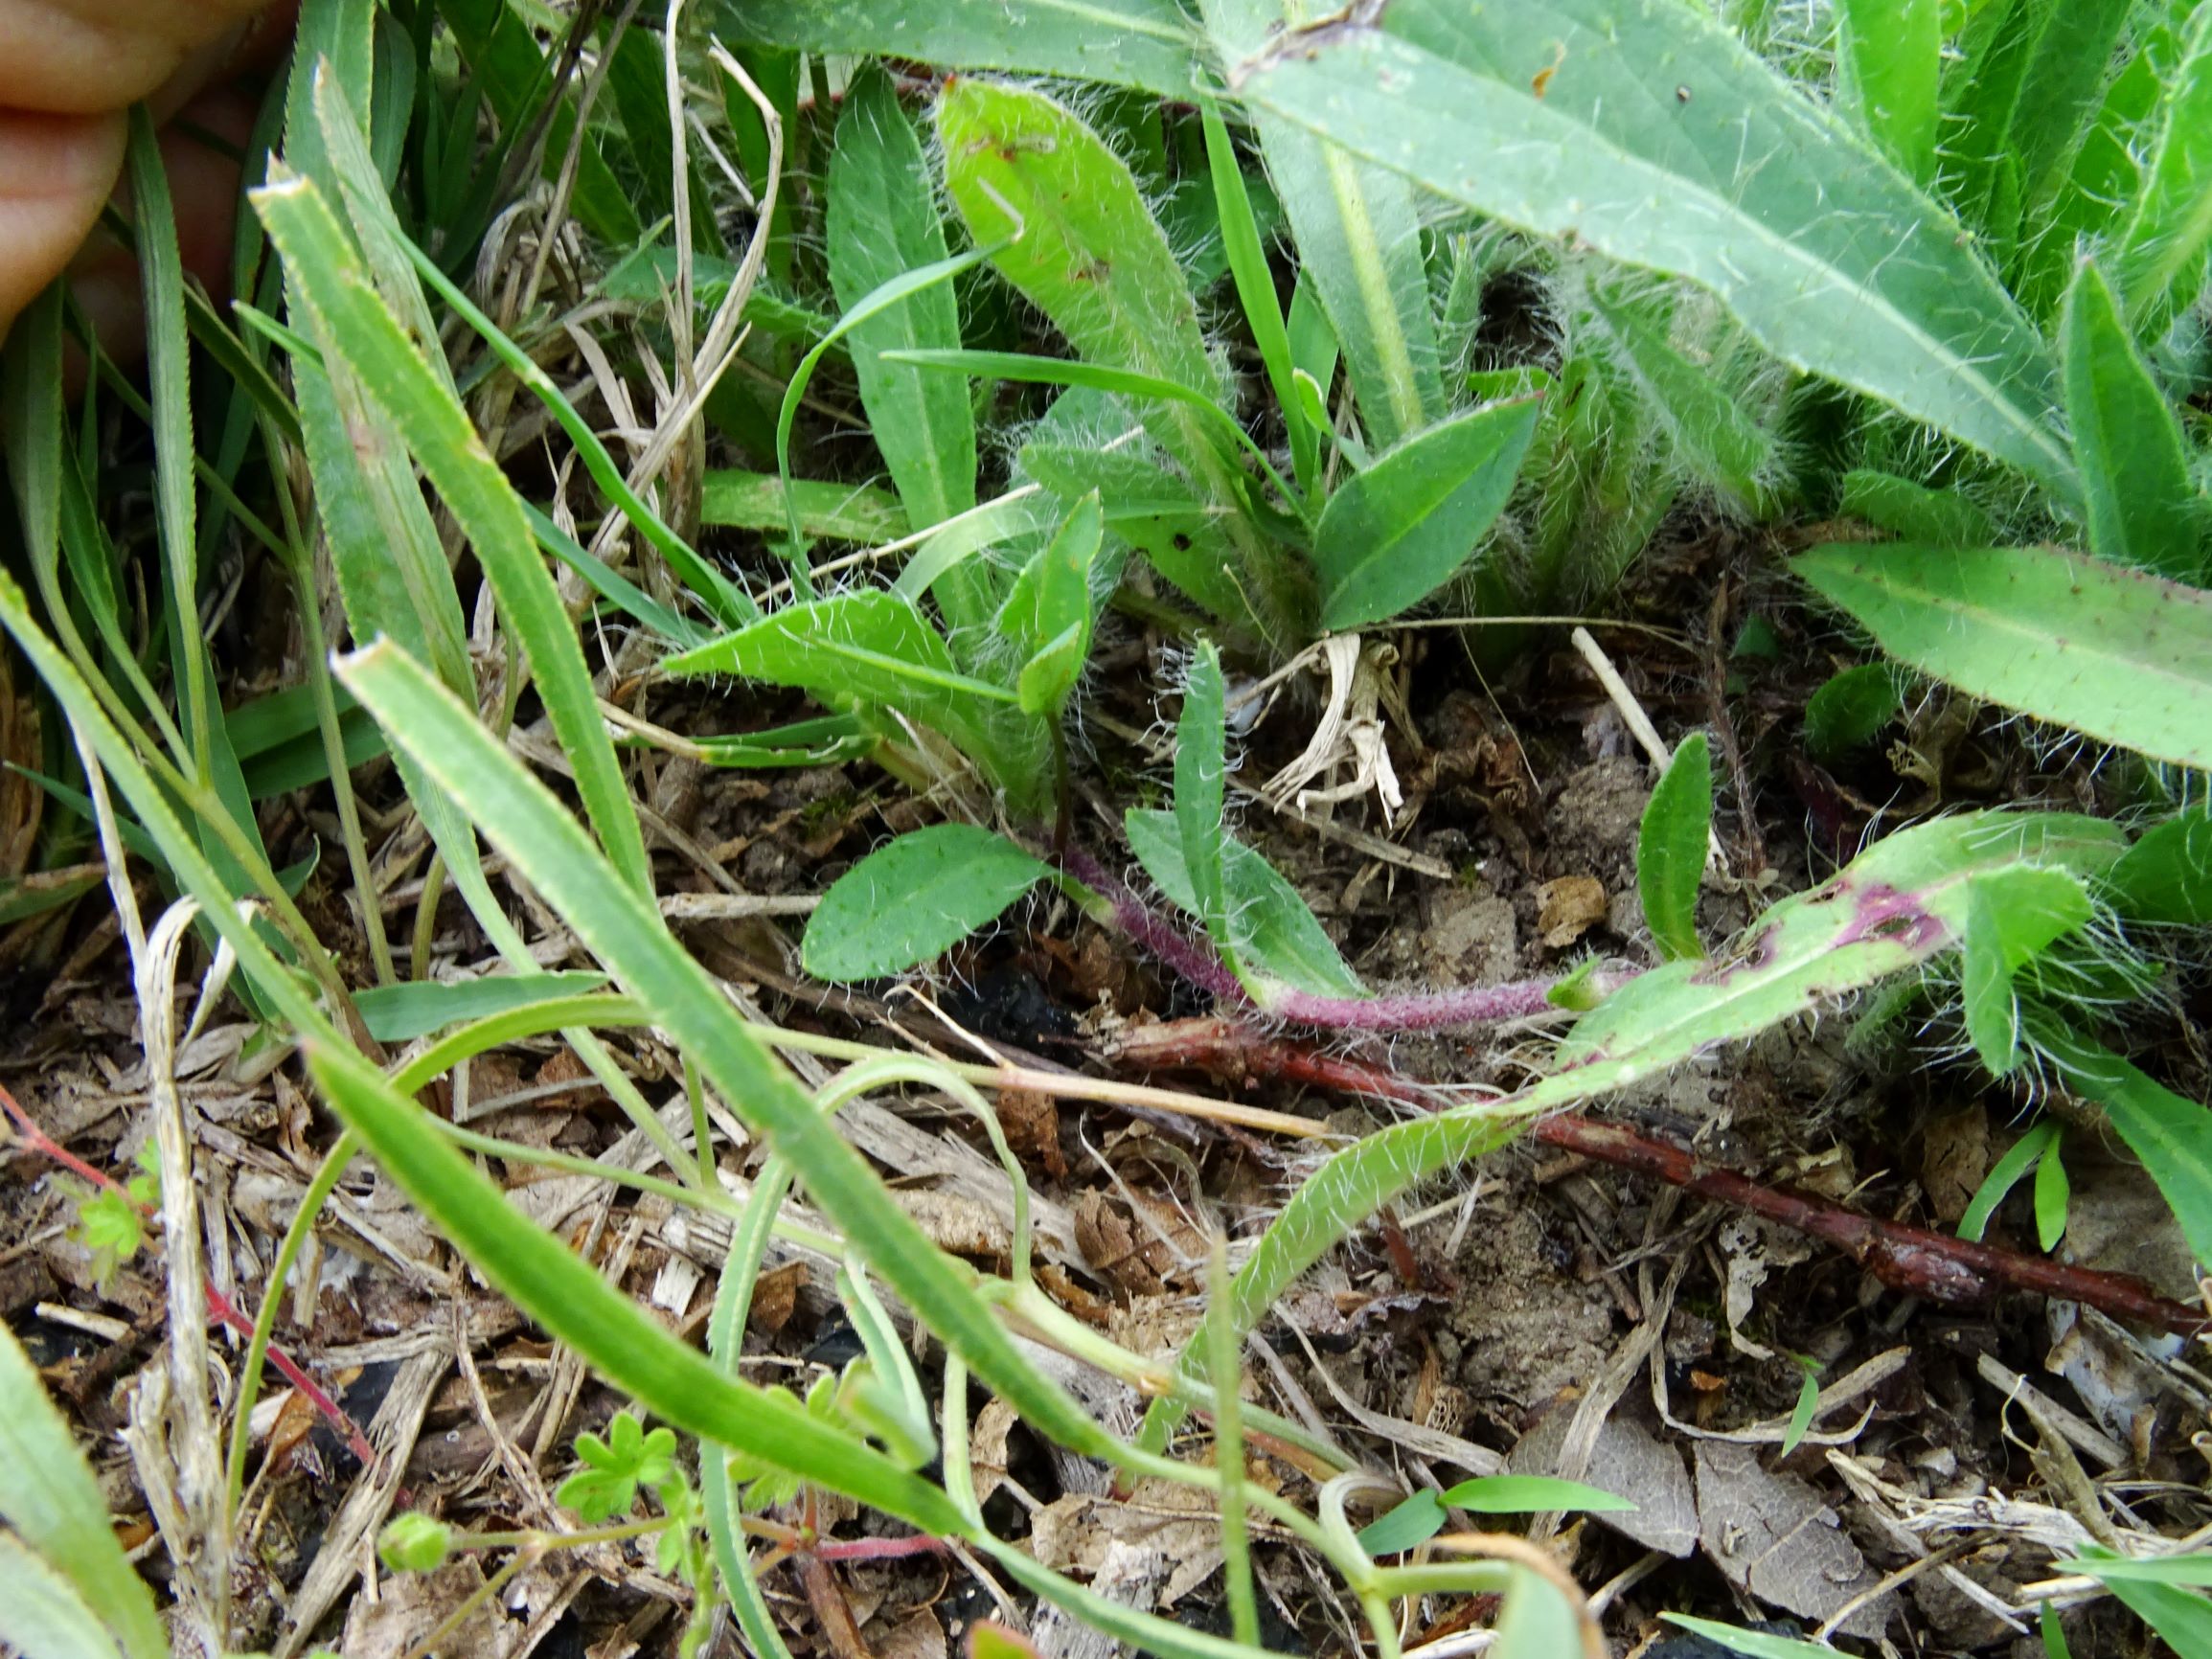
{"x":224,"y":1310}
{"x":1915,"y":1261}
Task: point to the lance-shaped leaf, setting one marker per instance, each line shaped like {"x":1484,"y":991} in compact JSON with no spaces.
{"x":2117,"y":653}
{"x":913,"y":899}
{"x":2169,"y":225}
{"x":1650,"y":133}
{"x":1670,"y":848}
{"x":1047,"y":618}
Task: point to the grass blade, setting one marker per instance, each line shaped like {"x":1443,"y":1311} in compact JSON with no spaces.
{"x":332,"y":286}
{"x":569,"y":1298}
{"x":49,"y":1496}
{"x":2143,"y":509}
{"x":881,"y":222}
{"x":2170,"y":1135}
{"x":1770,"y":204}
{"x":2119,"y":654}
{"x":624,"y":929}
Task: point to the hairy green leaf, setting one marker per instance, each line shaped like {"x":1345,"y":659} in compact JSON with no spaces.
{"x":1915,"y":511}
{"x":2142,"y":509}
{"x":1850,"y":709}
{"x":1670,"y":848}
{"x":881,"y":222}
{"x":1888,"y":63}
{"x":2012,"y":916}
{"x":835,"y":511}
{"x":1393,"y":535}
{"x":1201,"y":770}
{"x":1140,"y":44}
{"x":1047,"y":618}
{"x":1273,"y":935}
{"x":2167,"y":875}
{"x":2120,"y":654}
{"x":2160,"y":257}
{"x":1650,"y":133}
{"x":913,"y":899}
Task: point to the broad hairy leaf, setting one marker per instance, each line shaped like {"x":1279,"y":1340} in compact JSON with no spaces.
{"x":1888,"y":64}
{"x":881,"y":222}
{"x":2143,"y":509}
{"x":2012,"y":916}
{"x":2167,"y":875}
{"x":1850,"y":709}
{"x":42,"y":1615}
{"x":1141,"y":43}
{"x":1074,"y":237}
{"x":1913,"y":510}
{"x":1650,"y":134}
{"x":1393,"y":535}
{"x":913,"y":899}
{"x":1152,"y":509}
{"x":1670,"y":848}
{"x":1717,"y":435}
{"x":836,"y":511}
{"x":2120,"y":654}
{"x":2162,"y":243}
{"x":1272,"y":932}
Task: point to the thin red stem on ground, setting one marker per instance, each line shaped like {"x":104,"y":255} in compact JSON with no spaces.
{"x":1916,"y":1260}
{"x":225,"y":1311}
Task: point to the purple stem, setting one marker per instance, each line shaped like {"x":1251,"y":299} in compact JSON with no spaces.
{"x":1405,"y":1012}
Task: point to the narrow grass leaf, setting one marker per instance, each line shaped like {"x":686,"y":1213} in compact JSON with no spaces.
{"x":2003,"y":1176}
{"x":1754,"y":1644}
{"x":914,"y":899}
{"x":1415,"y":1522}
{"x":2167,"y":875}
{"x":398,"y":1013}
{"x":610,"y":584}
{"x":1670,"y":848}
{"x":2171,"y":1136}
{"x":2143,"y":510}
{"x":1943,"y":518}
{"x":624,"y":929}
{"x":1141,"y":43}
{"x":327,"y":278}
{"x":1801,"y":1415}
{"x":1531,"y":1494}
{"x":881,"y":222}
{"x":2179,"y":1616}
{"x":1889,"y":67}
{"x":49,"y":1496}
{"x":2161,"y":246}
{"x":42,"y":1615}
{"x":1274,"y":934}
{"x":1393,"y":535}
{"x":2053,"y":1633}
{"x":570,"y":1299}
{"x":1255,"y":290}
{"x":2193,"y":1570}
{"x":2119,"y":654}
{"x":1850,"y":709}
{"x":1658,"y":140}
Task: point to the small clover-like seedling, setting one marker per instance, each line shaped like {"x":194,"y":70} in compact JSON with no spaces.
{"x":767,"y":1488}
{"x":111,"y":1222}
{"x":626,"y":1459}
